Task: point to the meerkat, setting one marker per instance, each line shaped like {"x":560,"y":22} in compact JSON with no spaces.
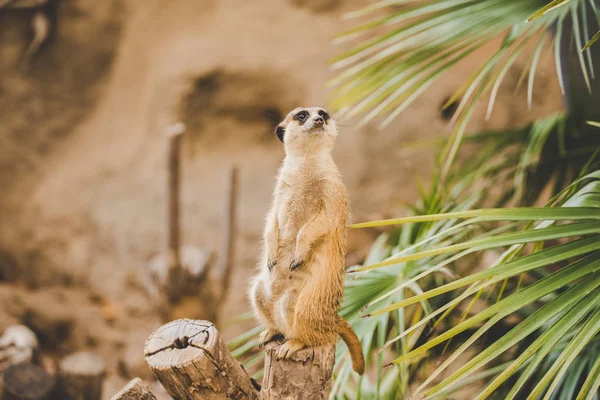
{"x":300,"y":284}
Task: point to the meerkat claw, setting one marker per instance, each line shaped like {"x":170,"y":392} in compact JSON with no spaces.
{"x":296,"y":264}
{"x":289,"y":348}
{"x":267,"y":336}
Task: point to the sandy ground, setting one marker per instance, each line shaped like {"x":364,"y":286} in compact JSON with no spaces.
{"x":83,"y":154}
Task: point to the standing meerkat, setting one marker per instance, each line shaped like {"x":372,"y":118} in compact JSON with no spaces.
{"x":298,"y":291}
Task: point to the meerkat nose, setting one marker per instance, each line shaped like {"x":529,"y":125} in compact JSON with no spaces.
{"x":319,"y":121}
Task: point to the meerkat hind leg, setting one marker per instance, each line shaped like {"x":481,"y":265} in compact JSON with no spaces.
{"x":268,"y":335}
{"x":289,"y":348}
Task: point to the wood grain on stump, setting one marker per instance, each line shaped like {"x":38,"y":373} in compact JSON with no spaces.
{"x":26,"y":382}
{"x":306,"y":376}
{"x":81,"y":375}
{"x":191,"y":361}
{"x":136,"y":389}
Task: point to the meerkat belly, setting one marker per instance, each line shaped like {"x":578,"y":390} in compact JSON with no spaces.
{"x":299,"y":205}
{"x":286,"y":285}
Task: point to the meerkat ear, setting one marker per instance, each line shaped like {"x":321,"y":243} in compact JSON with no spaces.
{"x":280,"y":131}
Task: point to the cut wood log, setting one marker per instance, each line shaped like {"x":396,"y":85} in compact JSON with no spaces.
{"x":307,"y":375}
{"x":81,"y":376}
{"x":18,"y":345}
{"x":191,"y":361}
{"x":27,"y":382}
{"x":136,"y":389}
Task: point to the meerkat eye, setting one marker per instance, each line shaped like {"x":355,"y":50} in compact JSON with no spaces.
{"x":301,"y":116}
{"x":324,"y":114}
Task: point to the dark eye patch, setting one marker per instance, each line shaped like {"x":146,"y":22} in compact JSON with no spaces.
{"x":324,"y":114}
{"x":301,"y":117}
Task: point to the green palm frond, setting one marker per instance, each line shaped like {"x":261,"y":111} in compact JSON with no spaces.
{"x":561,"y":333}
{"x":364,"y":289}
{"x":407,"y":45}
{"x":593,"y":40}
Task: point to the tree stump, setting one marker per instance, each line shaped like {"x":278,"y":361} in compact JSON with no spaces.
{"x":135,"y":390}
{"x":160,"y":279}
{"x":191,"y":361}
{"x":307,"y":375}
{"x":27,"y":382}
{"x":81,"y":375}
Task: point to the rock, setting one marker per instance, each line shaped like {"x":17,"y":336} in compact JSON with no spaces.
{"x":18,"y":345}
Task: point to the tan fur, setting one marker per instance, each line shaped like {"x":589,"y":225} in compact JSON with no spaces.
{"x":305,"y":228}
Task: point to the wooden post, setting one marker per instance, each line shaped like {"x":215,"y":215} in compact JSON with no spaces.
{"x":227,"y":253}
{"x":174,"y":167}
{"x":135,"y":390}
{"x":307,"y":375}
{"x":26,"y":382}
{"x":81,"y":375}
{"x":191,"y":361}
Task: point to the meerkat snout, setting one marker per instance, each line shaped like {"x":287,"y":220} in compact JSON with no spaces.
{"x":318,"y":122}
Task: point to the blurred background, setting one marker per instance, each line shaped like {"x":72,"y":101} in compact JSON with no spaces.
{"x":84,"y":153}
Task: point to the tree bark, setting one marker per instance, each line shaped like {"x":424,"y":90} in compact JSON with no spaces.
{"x":135,"y":390}
{"x":307,"y":375}
{"x":191,"y":361}
{"x":81,"y":375}
{"x":27,"y":382}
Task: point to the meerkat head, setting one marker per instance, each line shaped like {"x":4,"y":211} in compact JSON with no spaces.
{"x":307,"y":130}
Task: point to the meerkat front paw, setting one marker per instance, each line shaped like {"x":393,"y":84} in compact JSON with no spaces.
{"x":267,"y":336}
{"x":289,"y":348}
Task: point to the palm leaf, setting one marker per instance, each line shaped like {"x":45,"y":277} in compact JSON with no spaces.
{"x":593,"y":40}
{"x":384,"y":74}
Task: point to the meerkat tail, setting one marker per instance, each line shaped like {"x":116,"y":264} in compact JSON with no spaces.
{"x":351,"y":340}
